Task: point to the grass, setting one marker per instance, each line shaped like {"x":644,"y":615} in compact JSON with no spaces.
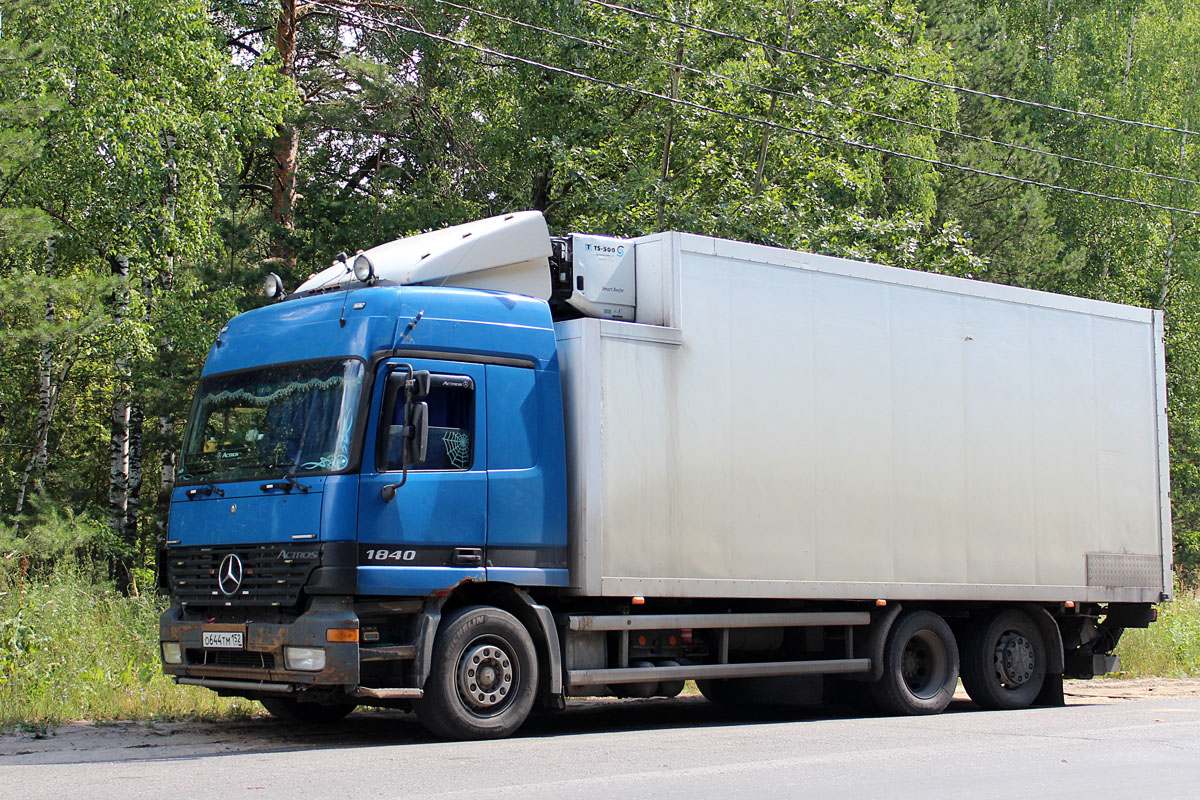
{"x":1169,"y":648}
{"x":70,"y":650}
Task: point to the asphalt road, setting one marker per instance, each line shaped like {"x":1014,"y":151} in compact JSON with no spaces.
{"x":685,"y":748}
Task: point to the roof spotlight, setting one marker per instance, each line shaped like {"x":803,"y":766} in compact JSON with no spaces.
{"x":273,"y":287}
{"x":364,"y":270}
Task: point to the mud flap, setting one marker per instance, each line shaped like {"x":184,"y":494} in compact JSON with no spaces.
{"x":1051,"y":694}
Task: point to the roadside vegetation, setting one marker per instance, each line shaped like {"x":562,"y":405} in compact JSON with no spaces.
{"x":73,"y":647}
{"x":1170,"y":648}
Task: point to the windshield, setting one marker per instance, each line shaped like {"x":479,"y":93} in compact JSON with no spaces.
{"x":297,"y":418}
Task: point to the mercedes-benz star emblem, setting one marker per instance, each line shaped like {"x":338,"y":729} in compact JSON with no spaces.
{"x":229,"y":576}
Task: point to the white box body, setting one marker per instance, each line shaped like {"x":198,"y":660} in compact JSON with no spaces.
{"x":798,"y":426}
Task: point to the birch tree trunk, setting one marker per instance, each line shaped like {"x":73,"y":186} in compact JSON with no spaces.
{"x":1051,"y":30}
{"x":133,"y":491}
{"x":166,"y":280}
{"x":47,"y":394}
{"x":118,"y":448}
{"x":137,"y":417}
{"x":1129,"y":54}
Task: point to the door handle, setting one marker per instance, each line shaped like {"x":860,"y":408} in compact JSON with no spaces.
{"x":468,"y":556}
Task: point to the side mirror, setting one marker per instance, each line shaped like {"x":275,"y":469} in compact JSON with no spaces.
{"x":395,"y":384}
{"x":420,"y":385}
{"x":417,"y":442}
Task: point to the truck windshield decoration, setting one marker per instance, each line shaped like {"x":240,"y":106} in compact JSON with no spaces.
{"x":297,"y":418}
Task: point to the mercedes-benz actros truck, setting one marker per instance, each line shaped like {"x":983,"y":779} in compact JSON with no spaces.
{"x":483,"y":469}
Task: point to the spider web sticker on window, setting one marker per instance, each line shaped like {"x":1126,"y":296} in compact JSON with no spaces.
{"x":458,"y":448}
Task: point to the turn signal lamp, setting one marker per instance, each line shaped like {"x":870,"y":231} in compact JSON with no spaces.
{"x":341,"y":635}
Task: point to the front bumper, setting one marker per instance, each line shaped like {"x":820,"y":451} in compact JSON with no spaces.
{"x":260,"y":665}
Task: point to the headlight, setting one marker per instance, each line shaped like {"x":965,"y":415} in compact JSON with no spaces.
{"x":308,"y":659}
{"x":172,"y":653}
{"x":273,"y":286}
{"x":364,"y":270}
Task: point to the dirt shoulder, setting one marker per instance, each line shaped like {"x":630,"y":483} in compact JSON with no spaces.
{"x":1115,"y":690}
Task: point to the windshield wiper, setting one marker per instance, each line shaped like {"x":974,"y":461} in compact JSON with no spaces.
{"x":291,"y":482}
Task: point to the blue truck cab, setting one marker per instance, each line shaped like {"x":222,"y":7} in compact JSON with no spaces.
{"x":279,"y":508}
{"x":363,"y":459}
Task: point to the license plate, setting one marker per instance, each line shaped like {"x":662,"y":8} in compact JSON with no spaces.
{"x":223,"y":640}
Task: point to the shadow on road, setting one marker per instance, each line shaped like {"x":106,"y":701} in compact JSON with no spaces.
{"x":190,"y":740}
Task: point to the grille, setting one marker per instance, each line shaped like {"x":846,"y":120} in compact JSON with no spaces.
{"x":267,"y":578}
{"x":231,"y":658}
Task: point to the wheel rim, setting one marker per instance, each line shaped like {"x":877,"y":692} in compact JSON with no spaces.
{"x":923,"y":664}
{"x":488,"y":675}
{"x":1015,"y":659}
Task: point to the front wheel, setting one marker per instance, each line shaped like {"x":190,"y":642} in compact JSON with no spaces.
{"x":1004,"y":660}
{"x":920,"y":666}
{"x":484,"y":678}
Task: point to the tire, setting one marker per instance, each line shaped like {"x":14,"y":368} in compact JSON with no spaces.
{"x":291,"y":710}
{"x":1004,"y":660}
{"x":670,"y":688}
{"x":474,"y":644}
{"x":920,"y":666}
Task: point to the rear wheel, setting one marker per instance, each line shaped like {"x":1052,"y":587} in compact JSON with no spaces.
{"x":484,"y":677}
{"x":670,"y":688}
{"x":920,"y":666}
{"x":286,"y":708}
{"x":1004,"y":660}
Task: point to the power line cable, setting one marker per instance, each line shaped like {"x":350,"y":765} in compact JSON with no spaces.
{"x":887,"y":73}
{"x":809,"y":99}
{"x":752,"y":120}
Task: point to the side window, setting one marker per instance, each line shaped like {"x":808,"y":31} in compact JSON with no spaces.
{"x":451,"y":404}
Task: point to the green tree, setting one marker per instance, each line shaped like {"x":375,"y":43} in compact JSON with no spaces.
{"x":127,"y":170}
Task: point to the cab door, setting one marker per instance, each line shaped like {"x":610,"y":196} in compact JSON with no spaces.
{"x":433,"y":534}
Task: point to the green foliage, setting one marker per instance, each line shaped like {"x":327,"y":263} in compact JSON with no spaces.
{"x":125,"y":121}
{"x":21,"y":140}
{"x":60,"y":536}
{"x":1169,"y":648}
{"x":71,"y":648}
